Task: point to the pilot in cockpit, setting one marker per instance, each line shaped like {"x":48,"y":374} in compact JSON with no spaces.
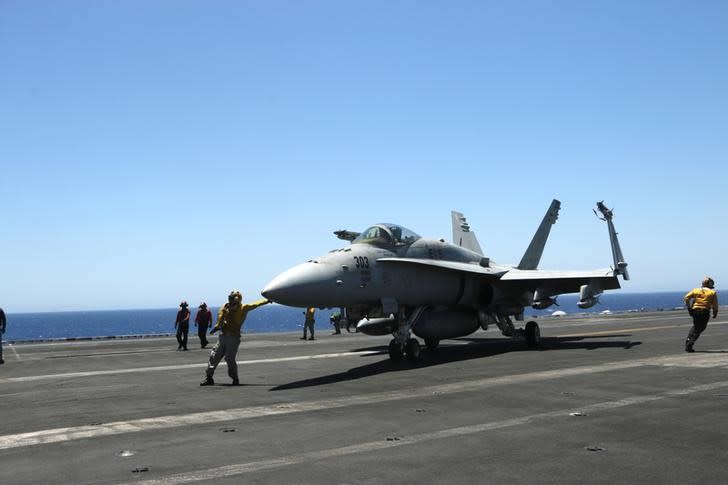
{"x":396,"y":233}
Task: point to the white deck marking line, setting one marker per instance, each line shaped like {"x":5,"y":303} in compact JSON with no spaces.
{"x":621,"y":330}
{"x":549,"y":322}
{"x":199,"y":365}
{"x":682,"y":321}
{"x":608,"y":319}
{"x":71,"y":375}
{"x":279,"y":462}
{"x":17,"y":355}
{"x":175,"y":421}
{"x":635,"y":329}
{"x":82,"y":341}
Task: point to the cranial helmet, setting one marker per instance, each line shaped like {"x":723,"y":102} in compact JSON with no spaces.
{"x":708,"y":282}
{"x":183,"y":304}
{"x":235,"y":297}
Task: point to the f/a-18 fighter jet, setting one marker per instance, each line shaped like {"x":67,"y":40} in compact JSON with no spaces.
{"x":391,"y":280}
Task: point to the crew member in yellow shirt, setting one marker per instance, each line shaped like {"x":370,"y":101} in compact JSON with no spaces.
{"x":309,"y":323}
{"x":230,"y":320}
{"x":700,"y":302}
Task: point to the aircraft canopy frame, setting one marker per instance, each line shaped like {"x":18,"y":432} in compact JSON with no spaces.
{"x":387,"y":234}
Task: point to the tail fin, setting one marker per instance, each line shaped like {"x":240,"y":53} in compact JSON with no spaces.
{"x":461,"y":234}
{"x":532,"y":256}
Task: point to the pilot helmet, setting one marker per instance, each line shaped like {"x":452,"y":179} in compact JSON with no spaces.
{"x":708,"y":282}
{"x":235,"y":297}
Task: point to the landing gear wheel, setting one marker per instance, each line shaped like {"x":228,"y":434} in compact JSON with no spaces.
{"x":395,"y":350}
{"x":432,"y":343}
{"x":533,"y":335}
{"x":412,"y":349}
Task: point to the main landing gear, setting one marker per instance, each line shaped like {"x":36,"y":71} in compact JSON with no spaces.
{"x":404,"y":345}
{"x":411,"y":350}
{"x":532,"y":334}
{"x":432,"y":343}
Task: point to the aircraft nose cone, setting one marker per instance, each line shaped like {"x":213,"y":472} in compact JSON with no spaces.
{"x":269,"y":292}
{"x":274,"y":290}
{"x":308,"y":284}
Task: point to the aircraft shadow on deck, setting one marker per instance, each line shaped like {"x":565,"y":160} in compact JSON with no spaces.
{"x":445,"y":354}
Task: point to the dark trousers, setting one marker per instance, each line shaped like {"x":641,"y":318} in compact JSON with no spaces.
{"x":308,"y":325}
{"x":182,"y":331}
{"x":700,"y":321}
{"x":202,"y":333}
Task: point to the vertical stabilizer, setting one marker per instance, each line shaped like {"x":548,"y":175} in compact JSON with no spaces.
{"x":532,"y":256}
{"x":461,"y":235}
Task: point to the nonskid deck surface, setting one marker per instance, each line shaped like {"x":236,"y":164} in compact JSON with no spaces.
{"x":606,"y":399}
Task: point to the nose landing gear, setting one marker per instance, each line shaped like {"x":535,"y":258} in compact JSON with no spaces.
{"x":403,"y":344}
{"x":395,"y":350}
{"x":411,"y":350}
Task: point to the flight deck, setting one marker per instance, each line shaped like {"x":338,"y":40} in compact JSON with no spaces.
{"x":605,"y":399}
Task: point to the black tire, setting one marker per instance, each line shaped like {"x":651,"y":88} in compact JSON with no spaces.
{"x":432,"y":344}
{"x":395,"y":351}
{"x":412,"y":349}
{"x":533,"y":335}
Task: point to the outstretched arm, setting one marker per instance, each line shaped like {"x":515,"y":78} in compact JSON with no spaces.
{"x":256,"y":304}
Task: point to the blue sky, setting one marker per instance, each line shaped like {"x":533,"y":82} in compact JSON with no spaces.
{"x":155,"y":151}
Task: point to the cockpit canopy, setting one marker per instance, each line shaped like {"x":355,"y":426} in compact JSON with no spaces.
{"x":390,"y":234}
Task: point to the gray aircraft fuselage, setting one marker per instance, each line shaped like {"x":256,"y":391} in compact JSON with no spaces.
{"x":366,"y":275}
{"x":351,"y":276}
{"x":391,"y":280}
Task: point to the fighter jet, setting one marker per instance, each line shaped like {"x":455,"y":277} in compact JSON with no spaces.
{"x":391,"y":280}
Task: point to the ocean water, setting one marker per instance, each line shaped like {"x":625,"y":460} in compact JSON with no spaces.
{"x":114,"y":323}
{"x":270,"y":318}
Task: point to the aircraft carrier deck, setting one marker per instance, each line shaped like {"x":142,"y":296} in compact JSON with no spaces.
{"x":607,"y":399}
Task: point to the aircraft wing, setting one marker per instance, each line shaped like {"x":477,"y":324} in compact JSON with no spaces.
{"x":472,"y":268}
{"x":558,"y":282}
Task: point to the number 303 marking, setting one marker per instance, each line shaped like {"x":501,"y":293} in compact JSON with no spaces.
{"x":361,"y":261}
